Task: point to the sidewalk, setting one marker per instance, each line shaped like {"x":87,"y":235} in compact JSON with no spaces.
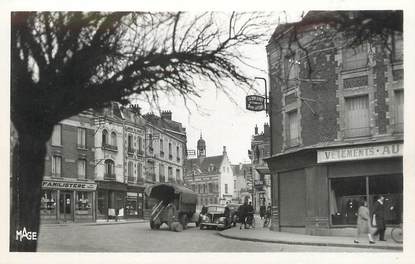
{"x":265,"y":235}
{"x":101,"y":222}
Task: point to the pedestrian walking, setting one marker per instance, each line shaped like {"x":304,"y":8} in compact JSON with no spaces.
{"x":363,"y":222}
{"x":250,"y":215}
{"x":242,"y":214}
{"x":262,"y":210}
{"x":378,"y":218}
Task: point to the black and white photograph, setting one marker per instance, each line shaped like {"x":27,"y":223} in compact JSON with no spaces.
{"x":265,"y":130}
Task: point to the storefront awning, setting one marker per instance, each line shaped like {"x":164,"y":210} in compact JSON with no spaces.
{"x":263,"y":170}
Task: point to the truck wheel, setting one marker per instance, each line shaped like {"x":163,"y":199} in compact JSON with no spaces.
{"x":179,"y":227}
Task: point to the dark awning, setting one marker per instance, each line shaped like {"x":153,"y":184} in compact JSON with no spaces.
{"x":167,"y":191}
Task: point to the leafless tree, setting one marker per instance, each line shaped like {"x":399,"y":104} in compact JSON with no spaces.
{"x":65,"y":62}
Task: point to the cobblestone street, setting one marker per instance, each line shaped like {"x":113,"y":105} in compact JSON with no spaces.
{"x":138,"y":237}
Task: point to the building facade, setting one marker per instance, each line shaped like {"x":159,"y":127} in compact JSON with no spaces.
{"x":68,"y":187}
{"x":336,"y":116}
{"x":134,"y":137}
{"x":109,"y":163}
{"x":242,"y":175}
{"x":210,"y":177}
{"x":260,"y":149}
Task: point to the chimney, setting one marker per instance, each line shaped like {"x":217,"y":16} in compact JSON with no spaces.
{"x":256,"y":130}
{"x":135,"y":109}
{"x":166,"y":115}
{"x":224,"y":150}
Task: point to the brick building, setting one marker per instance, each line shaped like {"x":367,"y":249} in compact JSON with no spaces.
{"x":68,"y":187}
{"x":336,"y":116}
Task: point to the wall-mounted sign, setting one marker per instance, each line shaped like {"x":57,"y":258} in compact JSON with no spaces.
{"x":359,"y":153}
{"x":255,"y":103}
{"x":69,"y":185}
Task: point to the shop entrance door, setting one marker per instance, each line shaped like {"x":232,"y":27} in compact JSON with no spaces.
{"x":65,"y":206}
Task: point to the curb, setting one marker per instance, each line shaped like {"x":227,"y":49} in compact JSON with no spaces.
{"x":96,"y":223}
{"x":308,"y":243}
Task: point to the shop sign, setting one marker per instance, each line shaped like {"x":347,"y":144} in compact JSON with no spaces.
{"x":69,"y":185}
{"x":255,"y":103}
{"x":359,"y":153}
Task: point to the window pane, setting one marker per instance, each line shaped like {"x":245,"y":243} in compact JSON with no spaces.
{"x":399,"y":99}
{"x":56,"y":135}
{"x":357,"y":116}
{"x":81,"y":168}
{"x":48,"y":205}
{"x":292,"y":128}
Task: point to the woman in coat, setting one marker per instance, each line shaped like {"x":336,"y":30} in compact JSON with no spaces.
{"x":363,"y":222}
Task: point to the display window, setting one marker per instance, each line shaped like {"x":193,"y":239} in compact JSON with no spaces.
{"x":48,"y":203}
{"x":83,"y":203}
{"x":346,"y":193}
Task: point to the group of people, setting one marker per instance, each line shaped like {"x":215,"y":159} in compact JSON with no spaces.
{"x":246,"y":214}
{"x":367,"y":222}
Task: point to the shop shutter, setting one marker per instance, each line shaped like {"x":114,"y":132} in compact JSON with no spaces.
{"x":292,"y":199}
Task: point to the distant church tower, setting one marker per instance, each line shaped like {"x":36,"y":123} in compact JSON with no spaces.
{"x":201,"y":148}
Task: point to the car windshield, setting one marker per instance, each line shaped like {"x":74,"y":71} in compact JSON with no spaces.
{"x":216,"y":209}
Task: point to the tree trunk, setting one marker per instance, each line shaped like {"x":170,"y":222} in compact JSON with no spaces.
{"x":27,"y":173}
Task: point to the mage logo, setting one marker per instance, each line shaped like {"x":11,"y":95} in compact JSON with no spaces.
{"x":20,"y":234}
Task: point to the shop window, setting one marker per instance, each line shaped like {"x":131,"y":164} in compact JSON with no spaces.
{"x":345,"y":195}
{"x":101,"y":204}
{"x":48,"y":205}
{"x":399,"y":110}
{"x":83,"y":205}
{"x":355,"y":57}
{"x":81,"y":138}
{"x":292,"y":129}
{"x":56,"y":166}
{"x":81,"y":169}
{"x":391,"y":187}
{"x":357,"y":116}
{"x":57,"y":135}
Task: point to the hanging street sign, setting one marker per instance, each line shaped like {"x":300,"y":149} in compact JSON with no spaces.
{"x":255,"y":103}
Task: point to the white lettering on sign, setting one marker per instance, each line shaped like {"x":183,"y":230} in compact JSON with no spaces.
{"x":69,"y":185}
{"x":20,"y":234}
{"x":358,"y":153}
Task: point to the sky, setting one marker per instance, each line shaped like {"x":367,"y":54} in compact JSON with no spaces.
{"x":221,"y":121}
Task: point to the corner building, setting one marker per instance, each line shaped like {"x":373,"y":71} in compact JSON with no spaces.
{"x":337,"y":129}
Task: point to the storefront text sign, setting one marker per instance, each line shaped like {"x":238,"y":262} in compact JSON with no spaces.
{"x":359,"y":153}
{"x":69,"y":185}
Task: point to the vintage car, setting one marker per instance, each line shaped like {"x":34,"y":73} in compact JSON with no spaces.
{"x":215,"y":217}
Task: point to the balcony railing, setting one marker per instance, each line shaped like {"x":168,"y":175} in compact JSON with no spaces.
{"x":130,"y":150}
{"x":397,"y":128}
{"x":109,"y":176}
{"x":292,"y":142}
{"x":81,"y":146}
{"x":131,"y":179}
{"x":109,"y":147}
{"x":357,"y":132}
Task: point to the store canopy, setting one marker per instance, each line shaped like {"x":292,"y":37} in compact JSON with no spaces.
{"x":168,"y":191}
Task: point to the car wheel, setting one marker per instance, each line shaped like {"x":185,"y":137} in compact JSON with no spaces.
{"x":197,"y":223}
{"x":152,"y":225}
{"x":201,"y":227}
{"x":183,"y":221}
